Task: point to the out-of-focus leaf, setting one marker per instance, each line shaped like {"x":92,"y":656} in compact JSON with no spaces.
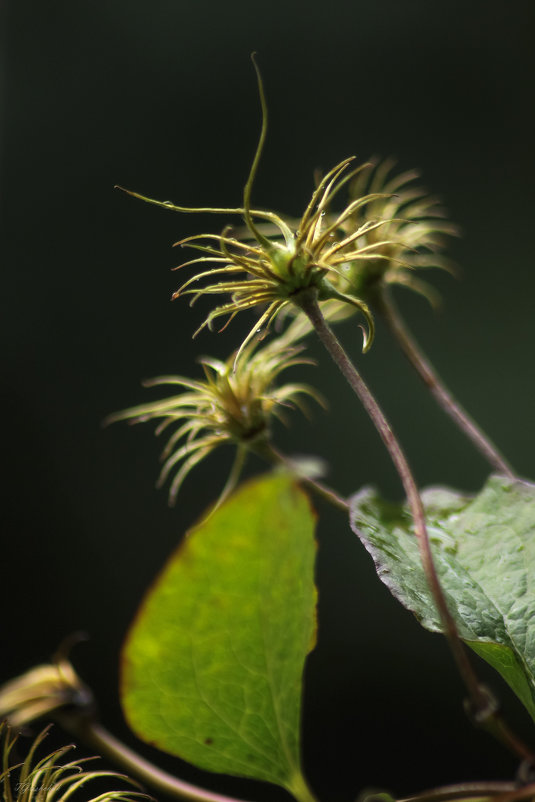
{"x":484,"y":552}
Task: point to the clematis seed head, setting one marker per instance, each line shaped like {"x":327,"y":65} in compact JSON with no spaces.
{"x":233,"y":405}
{"x":413,"y":234}
{"x":276,"y":260}
{"x":50,"y":778}
{"x":41,"y":691}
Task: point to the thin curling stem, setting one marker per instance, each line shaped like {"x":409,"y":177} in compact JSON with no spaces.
{"x":442,"y":395}
{"x":478,"y":697}
{"x":275,"y":457}
{"x":259,"y":148}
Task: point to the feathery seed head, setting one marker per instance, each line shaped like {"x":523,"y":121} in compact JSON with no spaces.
{"x":49,"y":779}
{"x":411,"y":237}
{"x":271,"y":272}
{"x":233,"y":405}
{"x":41,"y":691}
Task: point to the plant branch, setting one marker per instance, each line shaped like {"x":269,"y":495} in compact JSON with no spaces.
{"x":484,"y":709}
{"x":440,"y":392}
{"x":275,"y":457}
{"x":463,"y":791}
{"x":525,"y":792}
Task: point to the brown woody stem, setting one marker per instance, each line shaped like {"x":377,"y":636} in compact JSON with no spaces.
{"x":440,"y":392}
{"x":275,"y":457}
{"x":484,"y":713}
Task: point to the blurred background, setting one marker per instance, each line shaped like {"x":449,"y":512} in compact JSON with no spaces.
{"x":161,"y":97}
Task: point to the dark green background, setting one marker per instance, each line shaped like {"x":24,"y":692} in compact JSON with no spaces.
{"x":160,"y":96}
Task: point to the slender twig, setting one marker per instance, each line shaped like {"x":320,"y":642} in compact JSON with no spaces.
{"x":440,"y":392}
{"x":310,"y":306}
{"x":275,"y":457}
{"x":463,"y":791}
{"x":492,"y":721}
{"x":526,"y":792}
{"x":484,"y":710}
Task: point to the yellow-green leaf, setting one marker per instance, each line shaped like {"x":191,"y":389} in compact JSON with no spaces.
{"x":212,"y":666}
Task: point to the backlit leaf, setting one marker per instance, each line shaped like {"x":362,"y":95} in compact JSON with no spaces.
{"x":212,"y":666}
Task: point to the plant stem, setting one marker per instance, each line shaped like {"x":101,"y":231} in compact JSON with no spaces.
{"x":484,"y":712}
{"x":462,"y":791}
{"x":275,"y":457}
{"x":442,"y":395}
{"x":526,"y":792}
{"x":495,"y":791}
{"x":300,"y":790}
{"x":107,"y":745}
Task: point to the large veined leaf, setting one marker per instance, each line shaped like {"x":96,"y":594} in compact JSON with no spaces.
{"x":484,"y":552}
{"x":212,"y":666}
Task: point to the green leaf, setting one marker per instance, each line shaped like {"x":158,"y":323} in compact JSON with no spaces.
{"x":212,"y":666}
{"x":484,"y":552}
